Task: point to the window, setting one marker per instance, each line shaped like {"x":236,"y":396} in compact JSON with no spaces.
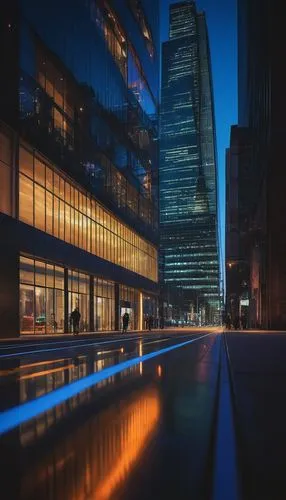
{"x":129,"y":298}
{"x":41,"y":297}
{"x":5,"y":172}
{"x":78,"y":291}
{"x":54,"y":205}
{"x":104,"y":305}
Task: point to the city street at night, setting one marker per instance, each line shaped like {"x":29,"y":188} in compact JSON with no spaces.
{"x":110,"y":417}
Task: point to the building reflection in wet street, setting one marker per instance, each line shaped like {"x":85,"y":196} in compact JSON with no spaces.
{"x":96,"y":460}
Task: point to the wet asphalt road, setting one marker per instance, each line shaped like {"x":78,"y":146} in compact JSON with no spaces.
{"x":112,"y":417}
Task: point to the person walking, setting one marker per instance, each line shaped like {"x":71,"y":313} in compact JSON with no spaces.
{"x":150,"y":323}
{"x":75,"y":319}
{"x":125,"y":322}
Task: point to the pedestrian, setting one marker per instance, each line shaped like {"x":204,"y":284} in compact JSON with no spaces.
{"x":150,"y":323}
{"x":161,"y":322}
{"x":75,"y":319}
{"x":236,"y":323}
{"x":147,"y":322}
{"x":228,"y":322}
{"x":243,"y":322}
{"x":125,"y":322}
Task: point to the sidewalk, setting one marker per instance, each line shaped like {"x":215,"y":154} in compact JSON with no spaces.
{"x":64,"y":336}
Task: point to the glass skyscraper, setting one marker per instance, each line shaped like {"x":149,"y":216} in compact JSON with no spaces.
{"x":188,"y":171}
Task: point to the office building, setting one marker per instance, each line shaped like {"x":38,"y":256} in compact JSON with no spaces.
{"x":238,"y":191}
{"x":78,"y":164}
{"x":262,"y":107}
{"x":188,"y":171}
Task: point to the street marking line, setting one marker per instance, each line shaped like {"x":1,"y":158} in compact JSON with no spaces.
{"x":95,"y":344}
{"x":13,"y":417}
{"x":55,"y":342}
{"x":225,"y":479}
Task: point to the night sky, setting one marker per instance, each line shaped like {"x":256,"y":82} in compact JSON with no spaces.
{"x":221,"y":19}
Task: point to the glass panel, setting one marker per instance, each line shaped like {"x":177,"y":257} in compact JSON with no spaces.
{"x":39,"y":174}
{"x":40,"y":310}
{"x":98,"y":321}
{"x":56,"y":184}
{"x":50,"y":316}
{"x":49,"y":179}
{"x":50,"y":282}
{"x":5,"y":189}
{"x":40,"y":273}
{"x":40,"y":207}
{"x":26,"y":162}
{"x":26,"y":309}
{"x":67,"y":223}
{"x":62,"y":221}
{"x":49,"y":213}
{"x":59,"y":277}
{"x":59,"y":311}
{"x":56,"y":217}
{"x":26,"y":200}
{"x":26,"y":270}
{"x":84,"y":311}
{"x":83,"y":283}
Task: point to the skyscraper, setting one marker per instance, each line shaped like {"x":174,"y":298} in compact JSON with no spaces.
{"x":188,"y":170}
{"x":262,"y":108}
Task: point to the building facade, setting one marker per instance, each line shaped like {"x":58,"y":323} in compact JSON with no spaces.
{"x":237,"y":238}
{"x":78,"y":164}
{"x":262,"y":105}
{"x":188,"y":171}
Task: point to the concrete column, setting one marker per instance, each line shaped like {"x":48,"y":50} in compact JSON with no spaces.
{"x":117,"y":307}
{"x":66,"y":284}
{"x":91,"y":304}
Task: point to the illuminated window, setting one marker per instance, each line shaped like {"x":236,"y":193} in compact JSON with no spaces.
{"x":78,"y":292}
{"x":5,"y":172}
{"x":104,"y":305}
{"x":138,"y":12}
{"x":41,"y":297}
{"x":58,"y":88}
{"x":113,"y":35}
{"x":54,"y":205}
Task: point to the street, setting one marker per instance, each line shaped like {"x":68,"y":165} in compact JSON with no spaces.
{"x":120,"y":416}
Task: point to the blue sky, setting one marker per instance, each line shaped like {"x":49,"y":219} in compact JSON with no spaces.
{"x":221,"y":19}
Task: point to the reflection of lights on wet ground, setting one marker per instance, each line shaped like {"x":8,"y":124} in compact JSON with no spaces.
{"x":140,"y":354}
{"x":96,"y":459}
{"x":139,"y":422}
{"x":45,"y":372}
{"x":159,"y":371}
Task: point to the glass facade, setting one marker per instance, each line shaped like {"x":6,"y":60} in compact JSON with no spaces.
{"x":104,"y":305}
{"x":79,"y":297}
{"x":130,"y":303}
{"x":43,"y":294}
{"x":41,"y":297}
{"x":6,"y":171}
{"x":80,"y":163}
{"x":52,"y":203}
{"x":188,"y":190}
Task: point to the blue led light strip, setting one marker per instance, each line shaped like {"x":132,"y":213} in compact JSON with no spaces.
{"x":12,"y":418}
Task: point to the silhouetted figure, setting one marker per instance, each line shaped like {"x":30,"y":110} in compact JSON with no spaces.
{"x":236,"y":323}
{"x":150,"y":323}
{"x":75,"y":319}
{"x":228,"y":322}
{"x":125,"y":322}
{"x":243,"y":322}
{"x":161,"y":322}
{"x":147,"y":322}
